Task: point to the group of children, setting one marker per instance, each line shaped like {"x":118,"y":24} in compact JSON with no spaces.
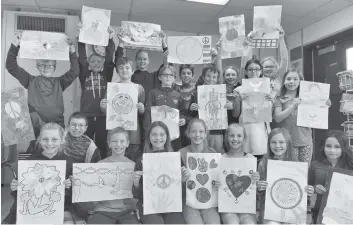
{"x":280,"y":140}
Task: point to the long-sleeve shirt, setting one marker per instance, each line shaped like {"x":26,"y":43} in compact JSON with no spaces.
{"x":45,"y":94}
{"x":81,"y":149}
{"x":94,"y":86}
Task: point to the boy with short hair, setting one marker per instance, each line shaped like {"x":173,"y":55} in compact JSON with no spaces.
{"x":77,"y":145}
{"x":124,"y":71}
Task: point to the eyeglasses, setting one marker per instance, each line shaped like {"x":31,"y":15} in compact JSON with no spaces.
{"x":74,"y":125}
{"x":253,"y":70}
{"x":43,"y":66}
{"x":270,"y":67}
{"x":167,"y":75}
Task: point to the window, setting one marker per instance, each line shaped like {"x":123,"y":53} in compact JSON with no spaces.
{"x":349,"y":58}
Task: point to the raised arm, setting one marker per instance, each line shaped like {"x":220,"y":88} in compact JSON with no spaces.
{"x":147,"y":116}
{"x":67,"y":79}
{"x":108,"y":63}
{"x":284,"y":58}
{"x":218,"y":60}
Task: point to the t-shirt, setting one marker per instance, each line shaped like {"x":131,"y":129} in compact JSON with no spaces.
{"x":246,"y":155}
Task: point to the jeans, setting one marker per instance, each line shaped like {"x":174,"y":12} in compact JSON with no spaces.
{"x":126,"y":217}
{"x":238,"y":218}
{"x":201,"y":216}
{"x":161,"y":218}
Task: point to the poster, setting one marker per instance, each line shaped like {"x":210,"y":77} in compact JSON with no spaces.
{"x":169,"y":116}
{"x":44,"y":45}
{"x":232,"y":31}
{"x":267,"y":20}
{"x":256,"y":108}
{"x":203,"y":168}
{"x":313,"y":111}
{"x":189,"y":49}
{"x":95,"y":23}
{"x":212,"y":100}
{"x":138,"y":35}
{"x":102,"y":181}
{"x":122,"y":106}
{"x":162,"y":191}
{"x":286,"y":198}
{"x":41,"y":191}
{"x":237,"y":192}
{"x":16,"y":124}
{"x":346,"y":105}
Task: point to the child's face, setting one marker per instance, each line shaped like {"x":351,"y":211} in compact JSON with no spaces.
{"x":118,"y":143}
{"x":253,"y":70}
{"x":230,"y":76}
{"x":51,"y":141}
{"x":278,"y":145}
{"x":96,"y":63}
{"x":167,"y":78}
{"x":332,"y":148}
{"x":158,"y":138}
{"x":186,"y":76}
{"x":124,"y":71}
{"x":77,"y":127}
{"x":211,"y":78}
{"x":292,"y":81}
{"x":235,"y":137}
{"x":142,"y":60}
{"x":197,"y":133}
{"x":270,"y":68}
{"x":46,"y":68}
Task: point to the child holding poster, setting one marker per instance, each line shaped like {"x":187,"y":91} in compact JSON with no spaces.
{"x":279,"y":148}
{"x":336,"y":153}
{"x":157,"y":140}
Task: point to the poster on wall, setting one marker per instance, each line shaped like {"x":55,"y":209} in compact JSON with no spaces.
{"x":169,"y":116}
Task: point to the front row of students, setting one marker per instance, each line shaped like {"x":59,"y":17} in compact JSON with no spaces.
{"x":335,"y":149}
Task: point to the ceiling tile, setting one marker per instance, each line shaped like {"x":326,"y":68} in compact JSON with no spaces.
{"x":19,"y":2}
{"x":298,"y":24}
{"x":328,"y":9}
{"x":116,"y":19}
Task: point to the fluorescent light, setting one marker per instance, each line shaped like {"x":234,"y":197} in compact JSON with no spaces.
{"x":215,"y":2}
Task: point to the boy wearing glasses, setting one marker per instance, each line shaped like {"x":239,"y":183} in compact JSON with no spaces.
{"x":77,"y":145}
{"x":45,"y":92}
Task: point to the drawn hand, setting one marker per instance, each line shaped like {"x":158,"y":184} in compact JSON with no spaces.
{"x":17,"y":39}
{"x":140,"y":107}
{"x":67,"y":183}
{"x":185,"y":174}
{"x":229,"y":105}
{"x":320,"y":189}
{"x":103,"y":103}
{"x":255,"y":177}
{"x":182,"y":122}
{"x":14,"y":185}
{"x":296,"y":102}
{"x":137,"y":178}
{"x":309,"y":190}
{"x":244,"y":95}
{"x":194,"y":107}
{"x":328,"y":102}
{"x":71,"y":45}
{"x":79,"y":25}
{"x":262,"y":185}
{"x":216,"y":184}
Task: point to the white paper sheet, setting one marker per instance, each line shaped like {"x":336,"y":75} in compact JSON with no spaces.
{"x":41,"y":192}
{"x":169,"y":116}
{"x":203,"y":168}
{"x":162,"y":191}
{"x":189,"y":49}
{"x":212,"y":100}
{"x":102,"y":181}
{"x":286,"y":198}
{"x":122,"y":106}
{"x":44,"y":45}
{"x":95,"y":26}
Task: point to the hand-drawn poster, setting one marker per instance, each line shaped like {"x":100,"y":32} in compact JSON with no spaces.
{"x":41,"y":192}
{"x":237,"y":192}
{"x":267,"y":20}
{"x":286,"y":198}
{"x":232,"y":30}
{"x":313,"y":111}
{"x":212,"y":100}
{"x":16,"y":124}
{"x":162,"y":191}
{"x":138,"y":35}
{"x":189,"y":49}
{"x":256,"y":108}
{"x":44,"y":45}
{"x":169,"y":116}
{"x":122,"y":106}
{"x":102,"y":181}
{"x":95,"y":23}
{"x":204,"y":169}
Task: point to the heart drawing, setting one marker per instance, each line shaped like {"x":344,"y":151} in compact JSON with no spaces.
{"x":202,"y":178}
{"x":213,"y":164}
{"x":238,"y":185}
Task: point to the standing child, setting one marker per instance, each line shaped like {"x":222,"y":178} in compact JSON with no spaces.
{"x":124,"y":71}
{"x":45,"y":93}
{"x":157,"y":140}
{"x":279,"y":148}
{"x":119,"y":211}
{"x":336,"y":153}
{"x":231,"y":78}
{"x":165,"y":95}
{"x":48,"y":147}
{"x":197,"y":132}
{"x":95,"y":72}
{"x":77,"y":145}
{"x":234,"y":139}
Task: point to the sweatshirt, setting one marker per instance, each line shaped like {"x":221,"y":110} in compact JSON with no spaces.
{"x":94,"y":86}
{"x":45,"y":94}
{"x":81,"y":149}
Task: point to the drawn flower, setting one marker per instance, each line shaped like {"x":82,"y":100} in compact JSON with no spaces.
{"x":55,"y":196}
{"x":25,"y":197}
{"x":41,"y":180}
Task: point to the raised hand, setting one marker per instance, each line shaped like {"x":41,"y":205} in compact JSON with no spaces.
{"x":262,"y":185}
{"x":14,"y":185}
{"x":17,"y":38}
{"x":71,"y":45}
